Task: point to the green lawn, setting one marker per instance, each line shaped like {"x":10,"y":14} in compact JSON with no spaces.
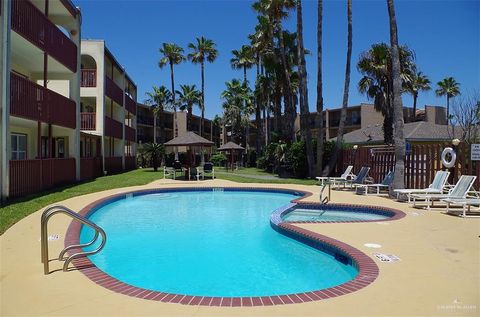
{"x":17,"y":209}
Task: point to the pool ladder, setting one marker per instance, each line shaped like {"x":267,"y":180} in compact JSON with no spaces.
{"x":326,"y":199}
{"x":49,"y":212}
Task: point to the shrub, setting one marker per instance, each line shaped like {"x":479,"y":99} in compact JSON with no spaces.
{"x":218,"y":159}
{"x":297,"y":158}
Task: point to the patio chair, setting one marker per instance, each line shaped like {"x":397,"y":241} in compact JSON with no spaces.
{"x":466,"y":204}
{"x":385,"y":184}
{"x":358,"y":180}
{"x":345,"y":176}
{"x":168,"y":172}
{"x":195,"y":173}
{"x":436,"y":187}
{"x":178,"y":168}
{"x":208,"y":169}
{"x":459,"y":191}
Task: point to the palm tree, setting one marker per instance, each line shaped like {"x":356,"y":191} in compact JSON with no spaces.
{"x":189,"y":96}
{"x":417,"y":82}
{"x":399,"y":138}
{"x":304,"y":111}
{"x":203,"y":51}
{"x":158,"y":98}
{"x":448,"y":87}
{"x":343,"y":114}
{"x":155,"y":151}
{"x":319,"y":121}
{"x":172,"y":54}
{"x":243,"y":59}
{"x":237,"y":107}
{"x":377,"y":82}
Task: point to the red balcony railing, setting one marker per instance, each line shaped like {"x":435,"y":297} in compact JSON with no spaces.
{"x":87,"y":120}
{"x":130,"y":163}
{"x":130,"y":105}
{"x":113,"y":91}
{"x":113,"y":164}
{"x":129,"y":133}
{"x":31,"y":101}
{"x":33,"y":25}
{"x":32,"y":176}
{"x":89,"y":78}
{"x":113,"y":128}
{"x":90,"y":167}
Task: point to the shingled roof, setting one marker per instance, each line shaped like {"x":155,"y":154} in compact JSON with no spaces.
{"x":230,"y":146}
{"x":414,"y":131}
{"x":189,"y":138}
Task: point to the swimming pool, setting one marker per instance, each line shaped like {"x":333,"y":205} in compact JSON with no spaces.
{"x":216,"y":247}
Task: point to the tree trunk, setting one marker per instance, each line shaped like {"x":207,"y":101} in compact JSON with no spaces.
{"x":189,"y":118}
{"x":277,"y":112}
{"x":202,"y":106}
{"x":175,"y":124}
{"x":343,"y":115}
{"x":448,"y":110}
{"x":258,"y":121}
{"x":155,"y":126}
{"x":319,"y":119}
{"x":162,"y":127}
{"x":290,"y":112}
{"x":414,"y":116}
{"x":399,"y":177}
{"x":304,"y":111}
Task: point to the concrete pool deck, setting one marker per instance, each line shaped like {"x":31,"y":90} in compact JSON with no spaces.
{"x":438,"y":274}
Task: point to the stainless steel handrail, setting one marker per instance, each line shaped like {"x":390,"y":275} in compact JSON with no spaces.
{"x":326,"y":199}
{"x":49,"y":212}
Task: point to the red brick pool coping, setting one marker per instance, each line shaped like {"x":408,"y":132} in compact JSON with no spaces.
{"x":367,"y":269}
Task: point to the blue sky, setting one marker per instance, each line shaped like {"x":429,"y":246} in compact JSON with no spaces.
{"x":445,"y":36}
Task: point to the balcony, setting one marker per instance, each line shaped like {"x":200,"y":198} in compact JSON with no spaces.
{"x":87,"y":120}
{"x":129,"y":134}
{"x":113,"y":128}
{"x":33,"y":25}
{"x":34,"y":102}
{"x":89,"y":78}
{"x":32,"y":176}
{"x":113,"y":164}
{"x":144,"y":120}
{"x":130,"y":105}
{"x":113,"y":91}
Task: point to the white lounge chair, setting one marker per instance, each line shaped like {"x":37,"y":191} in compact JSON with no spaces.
{"x":466,"y":204}
{"x":195,"y":173}
{"x":436,"y":187}
{"x":345,"y":176}
{"x":168,"y":172}
{"x":385,"y":184}
{"x":460,"y":191}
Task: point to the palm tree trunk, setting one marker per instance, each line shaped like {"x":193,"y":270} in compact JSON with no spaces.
{"x":189,"y":118}
{"x":162,"y":126}
{"x":203,"y":101}
{"x":175,"y":126}
{"x":448,"y":110}
{"x":258,"y":119}
{"x":414,"y":115}
{"x":319,"y":121}
{"x":304,"y":112}
{"x":399,"y":139}
{"x":154,"y":126}
{"x":343,"y":115}
{"x":288,"y":96}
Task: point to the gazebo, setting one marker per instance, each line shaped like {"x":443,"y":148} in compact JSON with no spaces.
{"x":192,"y":141}
{"x":232,"y":147}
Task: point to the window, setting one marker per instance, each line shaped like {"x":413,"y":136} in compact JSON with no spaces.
{"x":19,"y":146}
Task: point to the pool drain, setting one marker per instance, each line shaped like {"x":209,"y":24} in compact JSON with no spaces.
{"x":386,"y":257}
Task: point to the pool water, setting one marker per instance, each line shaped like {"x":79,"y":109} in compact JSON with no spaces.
{"x":320,"y":215}
{"x":209,"y":243}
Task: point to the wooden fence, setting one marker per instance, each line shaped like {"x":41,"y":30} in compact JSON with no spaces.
{"x":421,"y":163}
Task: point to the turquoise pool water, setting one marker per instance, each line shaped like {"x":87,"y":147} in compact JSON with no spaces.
{"x":320,"y":215}
{"x":208,"y":243}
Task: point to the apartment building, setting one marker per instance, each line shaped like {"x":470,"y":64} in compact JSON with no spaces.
{"x":39,"y":95}
{"x":108,"y":111}
{"x":359,"y":117}
{"x":165,"y":126}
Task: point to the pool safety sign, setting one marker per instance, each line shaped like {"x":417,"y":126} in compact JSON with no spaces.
{"x":475,"y":152}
